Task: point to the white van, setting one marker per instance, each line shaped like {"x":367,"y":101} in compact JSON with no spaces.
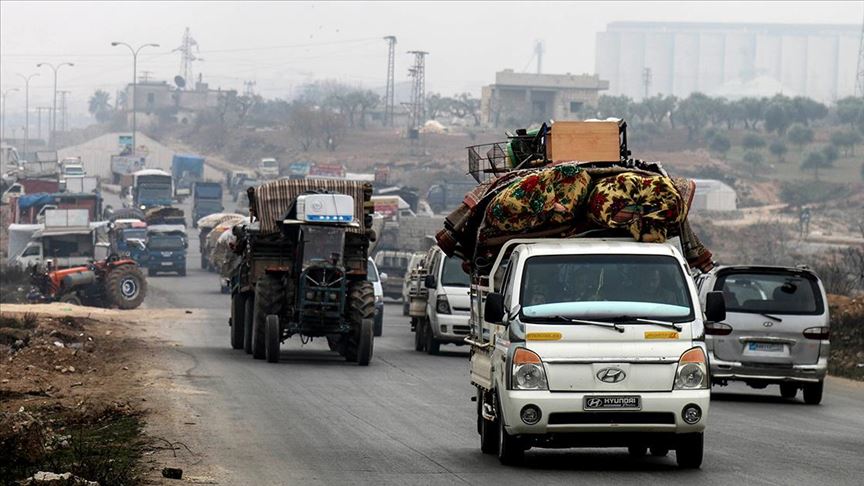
{"x":591,"y":343}
{"x":448,"y":305}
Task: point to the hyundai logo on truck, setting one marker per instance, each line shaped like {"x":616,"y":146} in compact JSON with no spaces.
{"x":611,"y":375}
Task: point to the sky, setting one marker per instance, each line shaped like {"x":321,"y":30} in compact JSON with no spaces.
{"x":281,"y":45}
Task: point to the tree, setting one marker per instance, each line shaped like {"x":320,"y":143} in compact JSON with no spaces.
{"x":615,"y":106}
{"x":846,"y":140}
{"x":693,"y":113}
{"x":436,"y":105}
{"x":367,"y":99}
{"x":778,"y":149}
{"x":751,"y":141}
{"x":804,"y":110}
{"x":750,"y":111}
{"x":776,"y":117}
{"x":755,"y":160}
{"x":658,"y":107}
{"x":100,"y":106}
{"x":720,"y":144}
{"x":813,"y":161}
{"x":830,"y":154}
{"x":850,"y":110}
{"x":464,"y":105}
{"x":800,"y":135}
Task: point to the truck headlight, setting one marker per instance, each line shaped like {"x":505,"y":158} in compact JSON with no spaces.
{"x":692,"y":372}
{"x":528,"y":371}
{"x":442,"y":306}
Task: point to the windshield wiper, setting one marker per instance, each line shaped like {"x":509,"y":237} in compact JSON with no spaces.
{"x":769,"y":316}
{"x":669,"y":325}
{"x":608,"y":325}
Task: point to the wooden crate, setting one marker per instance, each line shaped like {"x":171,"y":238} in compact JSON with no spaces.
{"x":584,"y":142}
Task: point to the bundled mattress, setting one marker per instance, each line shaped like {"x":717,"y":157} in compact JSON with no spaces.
{"x":270,"y":201}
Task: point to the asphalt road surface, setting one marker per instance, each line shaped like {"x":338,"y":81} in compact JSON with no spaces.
{"x":407,"y":418}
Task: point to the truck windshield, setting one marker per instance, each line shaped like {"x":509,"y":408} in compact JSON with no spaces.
{"x":154,"y":192}
{"x":617,"y":287}
{"x":135,"y":234}
{"x":771,"y":293}
{"x":268,"y":163}
{"x":209,"y":192}
{"x":73,"y":170}
{"x":452,"y":274}
{"x":165,"y":242}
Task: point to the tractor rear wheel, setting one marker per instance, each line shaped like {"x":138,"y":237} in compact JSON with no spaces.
{"x":273,"y":338}
{"x":238,"y":311}
{"x":269,"y":299}
{"x":124,"y":287}
{"x":361,"y":314}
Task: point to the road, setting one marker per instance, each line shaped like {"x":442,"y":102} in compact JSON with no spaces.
{"x":408,"y":419}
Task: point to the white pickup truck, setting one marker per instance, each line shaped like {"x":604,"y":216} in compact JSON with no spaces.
{"x":590,"y":343}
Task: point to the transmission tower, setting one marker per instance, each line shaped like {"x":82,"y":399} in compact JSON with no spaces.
{"x":187,"y":57}
{"x":249,"y":88}
{"x":389,"y":92}
{"x":646,"y":81}
{"x":859,"y":77}
{"x":418,"y":92}
{"x":538,"y":51}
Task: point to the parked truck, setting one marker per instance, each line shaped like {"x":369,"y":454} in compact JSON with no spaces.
{"x":207,"y":199}
{"x":25,"y":186}
{"x":303,"y":269}
{"x":126,"y":164}
{"x":187,"y":169}
{"x":67,"y":238}
{"x":150,"y":188}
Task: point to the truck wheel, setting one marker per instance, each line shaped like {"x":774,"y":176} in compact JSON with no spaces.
{"x":419,"y":340}
{"x":182,"y":271}
{"x":248,"y":317}
{"x":71,"y":298}
{"x":788,"y":390}
{"x":510,"y":450}
{"x":813,"y":393}
{"x":125,"y":287}
{"x":273,"y":338}
{"x":361,"y":311}
{"x":488,"y":430}
{"x":238,"y":311}
{"x":269,"y":299}
{"x":432,"y":345}
{"x":688,"y":451}
{"x":203,"y":262}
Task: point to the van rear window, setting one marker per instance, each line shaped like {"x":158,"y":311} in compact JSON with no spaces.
{"x":771,"y":293}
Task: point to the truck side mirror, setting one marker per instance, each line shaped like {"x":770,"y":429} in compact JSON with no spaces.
{"x":429,"y":282}
{"x":382,"y":277}
{"x":715,"y":307}
{"x":494,"y":310}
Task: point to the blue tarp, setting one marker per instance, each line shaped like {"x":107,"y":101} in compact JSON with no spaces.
{"x":187,"y":163}
{"x":38,"y":199}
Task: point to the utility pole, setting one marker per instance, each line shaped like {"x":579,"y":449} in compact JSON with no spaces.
{"x":134,"y":82}
{"x":27,"y":110}
{"x":538,"y":51}
{"x":859,"y":77}
{"x":3,"y":114}
{"x":418,"y":101}
{"x":64,"y":114}
{"x":389,"y":93}
{"x":39,"y":110}
{"x":54,"y":109}
{"x":187,"y":57}
{"x":646,"y":81}
{"x":249,"y":88}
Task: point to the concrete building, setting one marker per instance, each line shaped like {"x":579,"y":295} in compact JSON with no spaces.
{"x":713,"y":195}
{"x":732,"y":60}
{"x":519,"y":98}
{"x":155,"y":97}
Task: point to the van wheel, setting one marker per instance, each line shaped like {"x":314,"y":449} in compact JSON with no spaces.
{"x":432,"y":345}
{"x":510,"y":450}
{"x":637,"y":451}
{"x":405,"y":307}
{"x":272,"y":340}
{"x":419,"y":341}
{"x":488,"y":429}
{"x":659,"y":451}
{"x":813,"y":393}
{"x":688,"y":451}
{"x":788,"y":390}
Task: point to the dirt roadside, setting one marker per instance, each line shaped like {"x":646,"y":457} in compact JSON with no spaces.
{"x":90,"y":391}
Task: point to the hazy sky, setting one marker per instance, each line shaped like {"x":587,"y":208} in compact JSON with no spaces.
{"x":281,"y":45}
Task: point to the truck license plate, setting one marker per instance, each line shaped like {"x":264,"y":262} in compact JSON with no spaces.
{"x":630,"y":402}
{"x":766,"y":347}
{"x":166,"y":264}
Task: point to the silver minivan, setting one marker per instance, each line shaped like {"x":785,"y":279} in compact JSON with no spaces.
{"x":776,"y":329}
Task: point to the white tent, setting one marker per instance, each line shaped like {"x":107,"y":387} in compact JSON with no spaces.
{"x":714,"y":195}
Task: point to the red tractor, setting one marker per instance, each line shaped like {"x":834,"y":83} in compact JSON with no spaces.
{"x":107,"y":283}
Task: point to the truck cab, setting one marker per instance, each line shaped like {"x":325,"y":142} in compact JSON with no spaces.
{"x":71,"y":167}
{"x":591,"y":343}
{"x":166,"y":249}
{"x":207,"y":199}
{"x":447,"y":303}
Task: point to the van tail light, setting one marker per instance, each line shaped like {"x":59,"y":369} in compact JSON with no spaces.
{"x":819,"y":333}
{"x":717,"y":329}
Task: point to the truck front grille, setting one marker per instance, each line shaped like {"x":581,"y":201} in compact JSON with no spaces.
{"x":580,"y":418}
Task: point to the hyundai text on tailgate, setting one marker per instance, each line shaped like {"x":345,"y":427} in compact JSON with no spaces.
{"x":776,"y":330}
{"x":590,"y":342}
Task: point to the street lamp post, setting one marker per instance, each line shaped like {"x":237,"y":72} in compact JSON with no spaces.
{"x":54,"y":108}
{"x":134,"y":83}
{"x":27,"y":110}
{"x":3,"y":115}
